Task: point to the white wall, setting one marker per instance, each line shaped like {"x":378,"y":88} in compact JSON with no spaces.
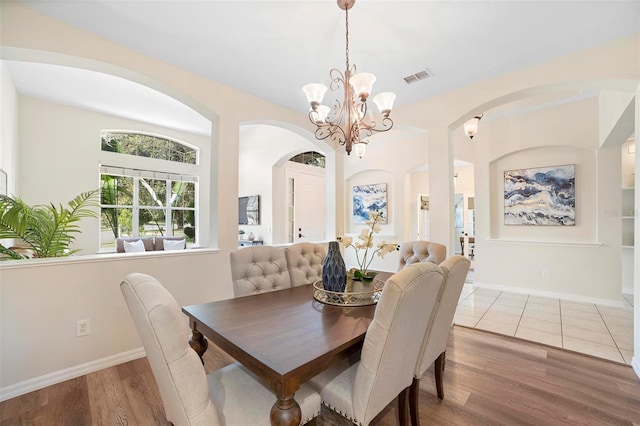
{"x":29,"y":35}
{"x":418,"y":185}
{"x":566,"y":134}
{"x":263,"y":147}
{"x":41,"y":300}
{"x":388,"y":160}
{"x":9,"y":147}
{"x":62,"y":154}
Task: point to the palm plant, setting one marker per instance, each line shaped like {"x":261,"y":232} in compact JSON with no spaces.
{"x":44,"y":230}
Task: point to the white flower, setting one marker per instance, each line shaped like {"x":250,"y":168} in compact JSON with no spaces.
{"x":346,"y":241}
{"x":366,"y":238}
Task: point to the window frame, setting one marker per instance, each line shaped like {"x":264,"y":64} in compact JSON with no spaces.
{"x":139,"y":167}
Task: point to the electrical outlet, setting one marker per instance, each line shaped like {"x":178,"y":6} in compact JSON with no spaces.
{"x":83,"y":328}
{"x":545,"y":274}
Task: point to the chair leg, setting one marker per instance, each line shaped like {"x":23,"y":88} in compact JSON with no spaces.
{"x":403,"y":409}
{"x":439,"y":369}
{"x":414,"y":391}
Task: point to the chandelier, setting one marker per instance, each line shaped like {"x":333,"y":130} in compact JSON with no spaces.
{"x":348,"y":122}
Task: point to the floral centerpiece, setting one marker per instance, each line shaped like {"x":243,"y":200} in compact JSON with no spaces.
{"x":365,"y":244}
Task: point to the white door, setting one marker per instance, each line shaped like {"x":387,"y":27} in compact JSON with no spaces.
{"x":307,"y":206}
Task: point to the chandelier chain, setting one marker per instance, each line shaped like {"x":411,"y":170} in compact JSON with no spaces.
{"x":347,"y":37}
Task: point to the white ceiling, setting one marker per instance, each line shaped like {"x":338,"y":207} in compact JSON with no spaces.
{"x":272,"y":48}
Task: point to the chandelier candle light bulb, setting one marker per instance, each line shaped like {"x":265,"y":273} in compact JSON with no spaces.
{"x":349,"y":123}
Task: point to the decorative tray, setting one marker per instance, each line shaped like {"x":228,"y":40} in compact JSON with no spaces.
{"x":357,"y":293}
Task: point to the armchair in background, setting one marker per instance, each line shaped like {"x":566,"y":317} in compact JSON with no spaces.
{"x":421,"y":251}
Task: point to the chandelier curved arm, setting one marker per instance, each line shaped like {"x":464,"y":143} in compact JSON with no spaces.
{"x":385,"y":125}
{"x":326,"y":130}
{"x":337,"y":79}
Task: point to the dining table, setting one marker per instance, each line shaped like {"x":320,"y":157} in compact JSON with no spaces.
{"x":284,"y":337}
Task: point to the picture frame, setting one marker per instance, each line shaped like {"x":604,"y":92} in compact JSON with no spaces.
{"x":369,"y":198}
{"x":540,"y":196}
{"x":249,"y":210}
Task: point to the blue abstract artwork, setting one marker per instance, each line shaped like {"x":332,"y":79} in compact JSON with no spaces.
{"x":540,"y":196}
{"x":369,"y":198}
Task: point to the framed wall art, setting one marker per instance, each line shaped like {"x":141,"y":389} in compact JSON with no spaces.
{"x":369,"y":198}
{"x":249,"y":210}
{"x":540,"y":196}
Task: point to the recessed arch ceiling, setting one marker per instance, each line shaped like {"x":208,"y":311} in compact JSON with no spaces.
{"x":272,"y":48}
{"x":104,"y":93}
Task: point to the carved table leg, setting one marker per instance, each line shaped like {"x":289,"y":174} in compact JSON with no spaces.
{"x":286,"y":412}
{"x":198,"y":343}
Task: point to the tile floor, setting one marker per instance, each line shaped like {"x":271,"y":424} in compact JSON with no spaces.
{"x":602,"y":331}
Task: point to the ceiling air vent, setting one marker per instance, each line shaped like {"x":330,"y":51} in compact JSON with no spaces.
{"x":420,"y":75}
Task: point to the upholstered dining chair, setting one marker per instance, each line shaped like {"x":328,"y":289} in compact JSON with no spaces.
{"x":391,"y":347}
{"x":229,"y":396}
{"x":421,"y":251}
{"x":435,"y":341}
{"x":305,"y":262}
{"x":258,"y":269}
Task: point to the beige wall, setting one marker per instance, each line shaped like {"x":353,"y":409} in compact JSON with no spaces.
{"x":56,"y":294}
{"x":262,"y":149}
{"x":83,"y":288}
{"x":64,"y":152}
{"x":9,"y":130}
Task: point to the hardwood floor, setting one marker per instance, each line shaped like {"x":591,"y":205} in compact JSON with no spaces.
{"x":489,"y":380}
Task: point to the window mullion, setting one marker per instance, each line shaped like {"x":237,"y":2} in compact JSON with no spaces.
{"x":135,"y":210}
{"x":168,"y":220}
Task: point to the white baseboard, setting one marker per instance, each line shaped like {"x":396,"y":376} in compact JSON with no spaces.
{"x":627,"y":290}
{"x":635,"y":363}
{"x":49,"y":379}
{"x":542,"y":293}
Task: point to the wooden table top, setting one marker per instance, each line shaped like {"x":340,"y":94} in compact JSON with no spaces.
{"x":283,"y":336}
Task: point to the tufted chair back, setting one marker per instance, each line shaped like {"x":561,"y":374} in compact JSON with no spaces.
{"x":391,"y":347}
{"x":258,"y":269}
{"x":176,"y":367}
{"x":435,"y":341}
{"x":421,"y":251}
{"x":305,"y":262}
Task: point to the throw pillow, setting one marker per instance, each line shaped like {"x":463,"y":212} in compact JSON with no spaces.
{"x":173,"y":244}
{"x":136,"y":246}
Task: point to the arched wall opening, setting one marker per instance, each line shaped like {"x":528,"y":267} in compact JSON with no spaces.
{"x":71,"y":155}
{"x":537,"y":127}
{"x":264,"y":153}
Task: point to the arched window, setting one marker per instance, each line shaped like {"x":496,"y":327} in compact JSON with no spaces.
{"x":143,"y":145}
{"x":310,"y":158}
{"x":137,"y":202}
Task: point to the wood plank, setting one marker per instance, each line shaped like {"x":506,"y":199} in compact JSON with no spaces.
{"x":143,"y":395}
{"x":108,"y":400}
{"x":26,"y":406}
{"x":489,"y":379}
{"x":69,"y":403}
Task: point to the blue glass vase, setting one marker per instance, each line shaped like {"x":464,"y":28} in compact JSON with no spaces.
{"x":334,"y":273}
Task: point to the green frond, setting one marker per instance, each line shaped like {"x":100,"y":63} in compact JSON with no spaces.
{"x":48,"y":230}
{"x":10,"y":253}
